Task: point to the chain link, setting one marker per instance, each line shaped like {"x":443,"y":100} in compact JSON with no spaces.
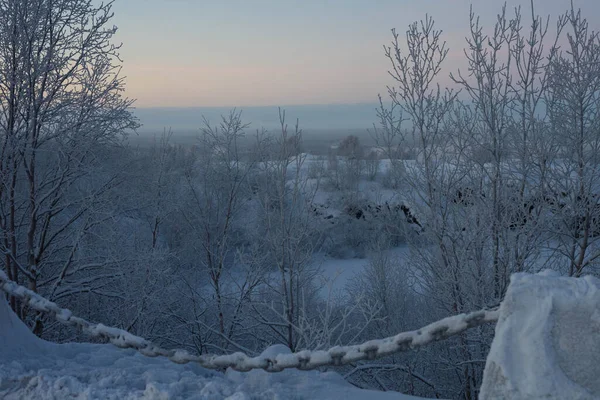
{"x":303,"y":360}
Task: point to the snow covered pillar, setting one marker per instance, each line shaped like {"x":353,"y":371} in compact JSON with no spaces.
{"x":547,"y":342}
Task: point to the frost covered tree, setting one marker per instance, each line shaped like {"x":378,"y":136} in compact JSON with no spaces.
{"x":446,"y":257}
{"x":216,"y":210}
{"x":60,"y":98}
{"x":345,"y":165}
{"x":350,"y":147}
{"x":372,"y":163}
{"x":505,"y":86}
{"x":573,"y":103}
{"x":287,"y":235}
{"x":145,"y":209}
{"x":485,"y":160}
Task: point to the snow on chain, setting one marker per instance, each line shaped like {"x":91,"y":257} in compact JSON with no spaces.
{"x":303,"y":360}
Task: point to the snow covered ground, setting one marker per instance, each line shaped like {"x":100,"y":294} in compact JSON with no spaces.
{"x":546,"y":346}
{"x":34,"y":369}
{"x":338,"y":273}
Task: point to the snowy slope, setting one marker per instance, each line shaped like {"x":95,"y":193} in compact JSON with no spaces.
{"x":34,"y":369}
{"x":547,"y":341}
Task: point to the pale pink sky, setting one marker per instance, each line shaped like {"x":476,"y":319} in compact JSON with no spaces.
{"x":198,"y":53}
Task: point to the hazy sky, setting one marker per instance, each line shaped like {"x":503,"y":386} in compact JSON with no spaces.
{"x":187,"y":53}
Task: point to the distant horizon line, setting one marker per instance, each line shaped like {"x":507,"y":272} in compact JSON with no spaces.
{"x":258,"y":106}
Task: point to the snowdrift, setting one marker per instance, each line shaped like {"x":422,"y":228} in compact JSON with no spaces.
{"x":16,"y":340}
{"x":547,"y":341}
{"x":31,"y":368}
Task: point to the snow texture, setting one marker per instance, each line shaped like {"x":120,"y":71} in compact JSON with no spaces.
{"x":31,"y":368}
{"x":547,"y":342}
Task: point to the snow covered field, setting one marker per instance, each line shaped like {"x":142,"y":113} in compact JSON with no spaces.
{"x":34,"y":369}
{"x":338,"y":273}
